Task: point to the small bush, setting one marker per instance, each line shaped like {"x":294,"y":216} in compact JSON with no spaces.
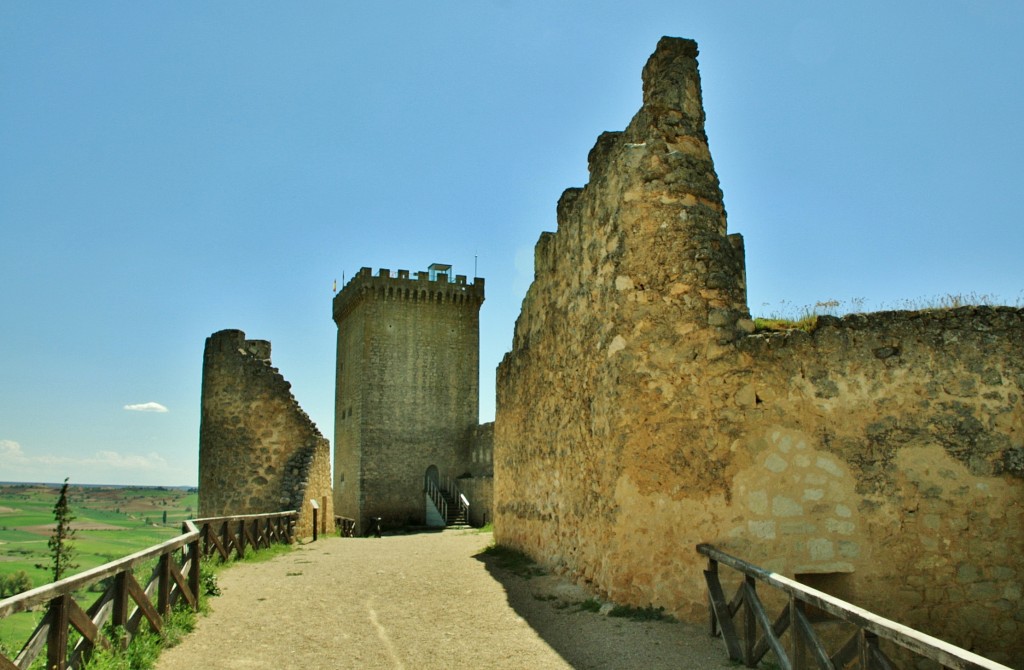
{"x":14,"y":583}
{"x":208,"y":579}
{"x":589,"y":605}
{"x":649,"y":613}
{"x":145,"y":648}
{"x":807,"y":324}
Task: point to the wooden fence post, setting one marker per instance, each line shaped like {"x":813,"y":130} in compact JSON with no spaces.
{"x":316,"y":511}
{"x":712,"y":619}
{"x":240,"y":543}
{"x":57,"y":636}
{"x":119,"y":616}
{"x":749,"y":622}
{"x":797,"y":637}
{"x":194,"y":577}
{"x":163,"y":585}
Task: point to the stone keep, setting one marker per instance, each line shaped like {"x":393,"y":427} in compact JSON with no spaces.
{"x":407,"y":389}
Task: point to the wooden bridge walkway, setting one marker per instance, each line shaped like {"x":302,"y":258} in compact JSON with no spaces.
{"x":417,"y":601}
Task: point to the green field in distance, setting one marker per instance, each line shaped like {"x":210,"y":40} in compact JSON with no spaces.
{"x":110,"y":523}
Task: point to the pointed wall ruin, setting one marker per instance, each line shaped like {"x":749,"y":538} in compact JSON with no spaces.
{"x":880,"y":457}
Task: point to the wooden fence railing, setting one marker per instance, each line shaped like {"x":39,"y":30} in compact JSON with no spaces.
{"x":232,"y":534}
{"x":125,"y":602}
{"x":346,"y":527}
{"x":748,"y":640}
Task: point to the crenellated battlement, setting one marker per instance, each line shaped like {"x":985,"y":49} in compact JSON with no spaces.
{"x":433,"y":286}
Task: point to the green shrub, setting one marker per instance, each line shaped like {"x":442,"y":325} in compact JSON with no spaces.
{"x":145,"y":648}
{"x":649,"y":613}
{"x":14,"y":583}
{"x":208,"y":580}
{"x":806,"y":324}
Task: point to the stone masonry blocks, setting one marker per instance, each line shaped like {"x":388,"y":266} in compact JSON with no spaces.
{"x":258,"y":451}
{"x":407,"y":390}
{"x":639,"y":414}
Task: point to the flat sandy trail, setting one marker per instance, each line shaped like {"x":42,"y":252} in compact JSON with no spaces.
{"x":419,"y":601}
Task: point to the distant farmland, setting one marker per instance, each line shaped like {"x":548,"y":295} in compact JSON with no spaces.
{"x":110,"y":522}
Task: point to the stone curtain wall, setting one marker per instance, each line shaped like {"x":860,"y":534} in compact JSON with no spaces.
{"x":478,"y":459}
{"x":888,"y":447}
{"x":407,"y":389}
{"x":477,"y":478}
{"x":638,"y":415}
{"x":258,"y":450}
{"x":480,"y":493}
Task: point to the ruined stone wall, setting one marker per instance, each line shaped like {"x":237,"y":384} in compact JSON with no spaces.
{"x":407,"y":391}
{"x":258,"y":451}
{"x":888,"y":450}
{"x":639,"y":415}
{"x":602,"y":384}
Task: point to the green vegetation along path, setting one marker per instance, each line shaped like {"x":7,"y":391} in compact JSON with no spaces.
{"x":420,"y":601}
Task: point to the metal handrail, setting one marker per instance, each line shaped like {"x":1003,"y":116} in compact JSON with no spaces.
{"x":435,"y":495}
{"x":456,"y":494}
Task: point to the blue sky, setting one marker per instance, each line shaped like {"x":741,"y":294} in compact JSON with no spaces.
{"x":168,"y":170}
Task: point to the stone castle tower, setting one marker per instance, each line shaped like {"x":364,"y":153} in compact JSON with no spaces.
{"x":406,"y":404}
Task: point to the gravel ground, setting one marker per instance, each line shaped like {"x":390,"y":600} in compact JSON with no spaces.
{"x":427,"y":600}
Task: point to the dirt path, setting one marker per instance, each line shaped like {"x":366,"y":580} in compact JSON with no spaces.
{"x":419,"y":602}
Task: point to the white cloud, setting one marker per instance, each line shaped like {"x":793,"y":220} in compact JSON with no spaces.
{"x":99,"y":467}
{"x":112,"y":459}
{"x":146,"y":407}
{"x":11,"y":452}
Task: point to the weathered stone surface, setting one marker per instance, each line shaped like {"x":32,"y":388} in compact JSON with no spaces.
{"x":258,"y":451}
{"x":639,"y":415}
{"x":407,"y":392}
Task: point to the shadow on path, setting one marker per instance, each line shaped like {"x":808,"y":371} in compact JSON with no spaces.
{"x":586,"y":639}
